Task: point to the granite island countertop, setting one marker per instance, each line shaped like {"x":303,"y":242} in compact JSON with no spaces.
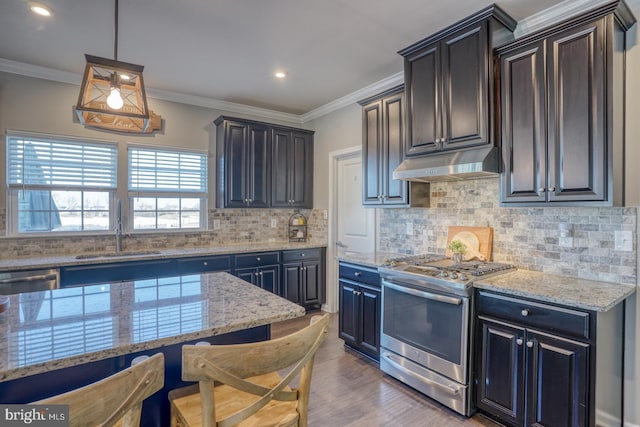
{"x":44,"y":331}
{"x":569,"y":291}
{"x":23,"y":263}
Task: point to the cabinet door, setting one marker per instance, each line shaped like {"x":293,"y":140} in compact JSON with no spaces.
{"x":557,"y":381}
{"x":500,"y":372}
{"x":348,"y":318}
{"x":394,"y":191}
{"x":576,"y":64}
{"x":292,"y":169}
{"x":291,"y":279}
{"x":524,"y":142}
{"x":269,"y":278}
{"x":422,"y":77}
{"x":236,"y":152}
{"x":301,"y":170}
{"x":248,"y":274}
{"x":311,"y":292}
{"x":280,"y":192}
{"x":371,"y":155}
{"x":259,"y":161}
{"x":465,"y":93}
{"x":370,"y":321}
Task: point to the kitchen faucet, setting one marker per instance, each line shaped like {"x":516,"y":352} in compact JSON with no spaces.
{"x":118,"y":225}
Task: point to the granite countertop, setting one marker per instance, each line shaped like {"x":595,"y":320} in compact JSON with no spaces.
{"x":64,"y":260}
{"x":368,"y":259}
{"x":569,"y":291}
{"x":42,"y":331}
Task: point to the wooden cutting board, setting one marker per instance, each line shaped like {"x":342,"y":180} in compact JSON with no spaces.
{"x":484,"y":242}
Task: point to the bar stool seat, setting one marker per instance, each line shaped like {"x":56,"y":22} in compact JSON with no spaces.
{"x":248,"y":385}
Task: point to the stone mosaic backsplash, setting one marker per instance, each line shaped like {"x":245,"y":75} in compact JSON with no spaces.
{"x":237,"y":226}
{"x":527,"y":237}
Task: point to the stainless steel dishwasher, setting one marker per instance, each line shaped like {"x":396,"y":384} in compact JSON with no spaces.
{"x":17,"y":282}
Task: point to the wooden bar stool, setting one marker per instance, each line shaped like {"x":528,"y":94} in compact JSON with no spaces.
{"x":115,"y":400}
{"x":249,"y":391}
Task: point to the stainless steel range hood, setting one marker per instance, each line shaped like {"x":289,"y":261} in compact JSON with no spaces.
{"x":452,"y":166}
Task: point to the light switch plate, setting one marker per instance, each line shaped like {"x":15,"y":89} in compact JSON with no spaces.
{"x":623,"y":240}
{"x":274,"y":223}
{"x":216,"y":224}
{"x":409,"y":229}
{"x":325,"y":214}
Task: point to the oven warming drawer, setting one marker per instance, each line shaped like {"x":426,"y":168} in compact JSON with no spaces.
{"x":450,"y":393}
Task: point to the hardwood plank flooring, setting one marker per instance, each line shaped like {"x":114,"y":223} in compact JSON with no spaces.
{"x":348,"y":390}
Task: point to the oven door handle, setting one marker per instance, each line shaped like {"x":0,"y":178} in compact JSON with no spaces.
{"x":422,"y":294}
{"x":451,"y":390}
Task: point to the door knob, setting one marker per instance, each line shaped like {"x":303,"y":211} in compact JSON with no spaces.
{"x":519,"y":341}
{"x":525,"y":312}
{"x":529,"y":344}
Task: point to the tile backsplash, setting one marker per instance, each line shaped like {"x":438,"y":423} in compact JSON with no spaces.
{"x":237,"y":226}
{"x":526,"y":237}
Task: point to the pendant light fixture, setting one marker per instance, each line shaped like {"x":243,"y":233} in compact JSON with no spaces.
{"x":112,"y":95}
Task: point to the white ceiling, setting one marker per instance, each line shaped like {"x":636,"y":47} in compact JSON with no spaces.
{"x":228,"y":50}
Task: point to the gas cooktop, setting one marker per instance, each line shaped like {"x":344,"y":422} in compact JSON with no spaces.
{"x":438,"y":272}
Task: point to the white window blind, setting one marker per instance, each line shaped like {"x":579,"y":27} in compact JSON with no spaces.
{"x":34,"y":161}
{"x":167,"y":171}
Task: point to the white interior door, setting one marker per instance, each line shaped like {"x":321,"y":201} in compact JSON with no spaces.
{"x":356,"y":224}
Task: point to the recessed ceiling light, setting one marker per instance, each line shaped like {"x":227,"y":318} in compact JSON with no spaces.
{"x":280,"y":74}
{"x":40,"y":9}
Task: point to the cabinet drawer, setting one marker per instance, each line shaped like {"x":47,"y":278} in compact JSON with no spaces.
{"x":205,"y":263}
{"x":257,"y":259}
{"x":301,"y":254}
{"x":360,"y":274}
{"x":550,"y":318}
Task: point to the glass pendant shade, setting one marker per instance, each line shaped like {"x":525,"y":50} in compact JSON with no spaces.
{"x":112,"y":96}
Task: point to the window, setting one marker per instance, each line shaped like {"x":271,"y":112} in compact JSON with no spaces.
{"x":59,"y":185}
{"x":167,"y":189}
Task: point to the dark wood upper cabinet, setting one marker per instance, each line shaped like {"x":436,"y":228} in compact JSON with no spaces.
{"x":260,"y":165}
{"x":244,"y":162}
{"x":562,"y":111}
{"x":292,"y":177}
{"x":383,"y":139}
{"x":449,"y":84}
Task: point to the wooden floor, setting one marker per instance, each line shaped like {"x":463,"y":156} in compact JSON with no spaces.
{"x":349,"y":390}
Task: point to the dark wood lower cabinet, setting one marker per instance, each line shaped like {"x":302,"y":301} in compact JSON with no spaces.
{"x":536,"y":363}
{"x":267,"y":277}
{"x":359,"y":307}
{"x":302,"y":283}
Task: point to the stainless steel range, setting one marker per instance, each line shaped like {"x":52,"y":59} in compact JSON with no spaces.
{"x":426,"y":324}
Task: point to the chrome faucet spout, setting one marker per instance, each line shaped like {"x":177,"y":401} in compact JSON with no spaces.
{"x":118,"y":225}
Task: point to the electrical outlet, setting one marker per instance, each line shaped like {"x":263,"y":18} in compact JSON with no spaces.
{"x":623,"y":240}
{"x":409,"y":228}
{"x":274,"y":223}
{"x":325,"y":214}
{"x":216,"y":224}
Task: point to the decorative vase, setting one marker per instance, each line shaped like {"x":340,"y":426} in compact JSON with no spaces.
{"x":456,"y":257}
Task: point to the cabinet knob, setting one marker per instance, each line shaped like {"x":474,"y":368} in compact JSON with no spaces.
{"x":552,"y":188}
{"x":260,"y":273}
{"x":302,"y":254}
{"x":519,"y":341}
{"x":359,"y":293}
{"x":529,"y":344}
{"x":258,"y":259}
{"x":525,"y":312}
{"x":542,"y":190}
{"x":357,"y":274}
{"x":205,"y":263}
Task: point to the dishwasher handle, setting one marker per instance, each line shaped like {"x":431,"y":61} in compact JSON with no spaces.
{"x":36,"y":278}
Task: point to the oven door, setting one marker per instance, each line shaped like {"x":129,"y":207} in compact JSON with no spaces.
{"x":430,"y":328}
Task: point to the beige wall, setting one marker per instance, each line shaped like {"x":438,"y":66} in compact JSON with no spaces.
{"x":35,"y":105}
{"x":336,"y":131}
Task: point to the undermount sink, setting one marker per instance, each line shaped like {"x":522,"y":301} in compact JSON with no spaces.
{"x":116,"y":254}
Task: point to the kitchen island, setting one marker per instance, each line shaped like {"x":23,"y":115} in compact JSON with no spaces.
{"x":54,"y":341}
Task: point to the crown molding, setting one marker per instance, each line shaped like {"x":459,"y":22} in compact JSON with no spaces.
{"x":556,"y":13}
{"x":354,"y":97}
